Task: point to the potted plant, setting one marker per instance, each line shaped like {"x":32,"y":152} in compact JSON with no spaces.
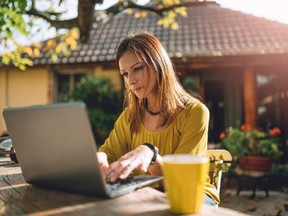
{"x":252,"y":148}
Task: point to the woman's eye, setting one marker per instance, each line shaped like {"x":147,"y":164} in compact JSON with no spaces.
{"x":124,"y":75}
{"x":138,"y":69}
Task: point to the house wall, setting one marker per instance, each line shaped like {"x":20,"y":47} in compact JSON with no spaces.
{"x":112,"y":73}
{"x":22,"y":88}
{"x":2,"y":86}
{"x":108,"y":70}
{"x":33,"y":86}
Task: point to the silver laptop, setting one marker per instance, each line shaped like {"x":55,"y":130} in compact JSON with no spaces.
{"x":56,"y":148}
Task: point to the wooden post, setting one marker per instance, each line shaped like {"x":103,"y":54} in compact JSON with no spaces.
{"x":249,"y":88}
{"x":51,"y":83}
{"x":201,"y":89}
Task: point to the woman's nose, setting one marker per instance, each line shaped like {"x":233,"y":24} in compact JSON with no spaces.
{"x":132,"y":79}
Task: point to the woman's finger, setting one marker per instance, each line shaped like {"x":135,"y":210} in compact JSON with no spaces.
{"x":117,"y":168}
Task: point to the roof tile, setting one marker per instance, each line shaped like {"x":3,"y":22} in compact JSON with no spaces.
{"x":206,"y":32}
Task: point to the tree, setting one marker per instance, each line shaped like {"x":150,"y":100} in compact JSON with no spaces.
{"x":15,"y":16}
{"x":103,"y":102}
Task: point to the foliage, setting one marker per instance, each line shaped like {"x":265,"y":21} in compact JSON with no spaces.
{"x":279,"y":176}
{"x":11,"y":20}
{"x":217,"y":165}
{"x":248,"y":141}
{"x":191,"y":85}
{"x":104,"y":104}
{"x":13,"y":23}
{"x":62,"y":45}
{"x":280,"y":170}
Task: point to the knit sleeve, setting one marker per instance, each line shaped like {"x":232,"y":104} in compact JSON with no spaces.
{"x":194,"y":135}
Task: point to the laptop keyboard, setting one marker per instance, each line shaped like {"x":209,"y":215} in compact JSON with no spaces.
{"x":124,"y":186}
{"x":121,"y":183}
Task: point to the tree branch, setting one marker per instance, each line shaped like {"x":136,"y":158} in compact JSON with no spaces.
{"x":70,"y":23}
{"x":118,"y":7}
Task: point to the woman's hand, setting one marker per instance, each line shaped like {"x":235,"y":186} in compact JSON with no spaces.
{"x":138,"y":158}
{"x":102,"y":160}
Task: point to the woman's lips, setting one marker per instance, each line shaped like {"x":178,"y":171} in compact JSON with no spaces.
{"x":138,"y":89}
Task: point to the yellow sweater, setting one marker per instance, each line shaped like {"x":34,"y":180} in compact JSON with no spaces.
{"x":187,"y":134}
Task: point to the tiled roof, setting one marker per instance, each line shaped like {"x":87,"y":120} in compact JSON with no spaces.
{"x":208,"y":31}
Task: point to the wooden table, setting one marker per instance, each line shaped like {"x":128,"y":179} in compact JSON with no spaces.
{"x":20,"y":198}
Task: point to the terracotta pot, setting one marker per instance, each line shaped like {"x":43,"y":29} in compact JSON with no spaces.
{"x":256,"y":163}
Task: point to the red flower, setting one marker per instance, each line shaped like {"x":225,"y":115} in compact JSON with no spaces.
{"x":222,"y":135}
{"x":274,"y":132}
{"x":245,"y":127}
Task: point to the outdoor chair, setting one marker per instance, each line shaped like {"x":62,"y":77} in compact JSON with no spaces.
{"x":220,"y":161}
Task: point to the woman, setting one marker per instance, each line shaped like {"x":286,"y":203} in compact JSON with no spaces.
{"x":159,"y":112}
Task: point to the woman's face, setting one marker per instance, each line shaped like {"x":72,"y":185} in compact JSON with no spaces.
{"x":137,"y":78}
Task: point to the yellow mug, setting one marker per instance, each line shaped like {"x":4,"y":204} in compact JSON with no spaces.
{"x":184,"y":179}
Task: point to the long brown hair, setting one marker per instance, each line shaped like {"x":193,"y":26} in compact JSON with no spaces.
{"x":171,"y":94}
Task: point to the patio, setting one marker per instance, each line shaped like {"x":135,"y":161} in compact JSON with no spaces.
{"x":275,"y":204}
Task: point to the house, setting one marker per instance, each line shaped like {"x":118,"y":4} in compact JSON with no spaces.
{"x":235,"y":62}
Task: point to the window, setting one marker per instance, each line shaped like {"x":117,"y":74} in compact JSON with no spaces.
{"x":214,"y":100}
{"x":272,"y":93}
{"x":65,"y":84}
